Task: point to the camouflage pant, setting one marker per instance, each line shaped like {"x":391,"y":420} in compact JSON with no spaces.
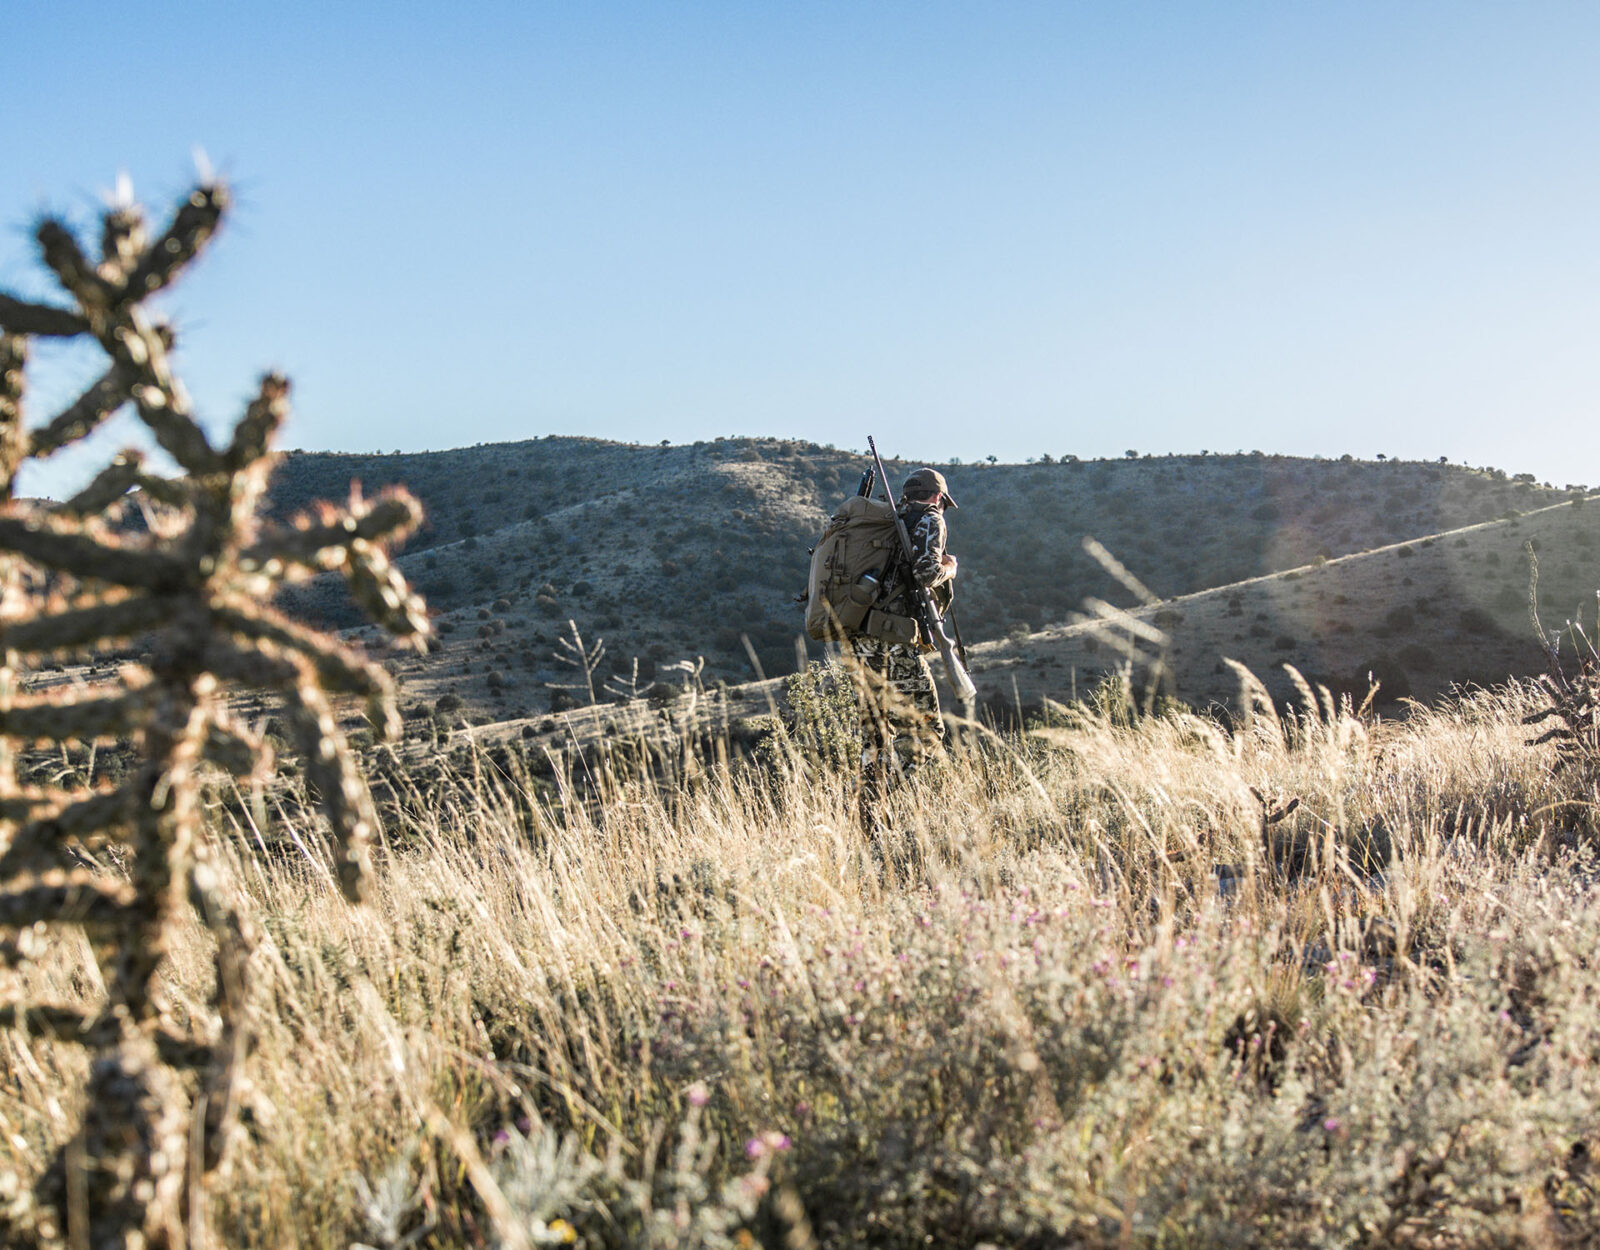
{"x":900,"y":723}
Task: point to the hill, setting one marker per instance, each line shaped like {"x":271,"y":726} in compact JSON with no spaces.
{"x":673,"y":552}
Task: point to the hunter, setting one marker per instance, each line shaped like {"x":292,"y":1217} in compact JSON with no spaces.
{"x":901,"y":726}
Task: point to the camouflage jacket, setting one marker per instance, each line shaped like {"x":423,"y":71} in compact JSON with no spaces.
{"x":928,"y":533}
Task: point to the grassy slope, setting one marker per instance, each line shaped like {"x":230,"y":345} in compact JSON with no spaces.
{"x":1105,"y":1011}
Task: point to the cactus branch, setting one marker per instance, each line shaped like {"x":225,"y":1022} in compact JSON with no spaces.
{"x":84,"y":415}
{"x":42,"y":539}
{"x":66,"y":259}
{"x":70,"y":631}
{"x":13,"y":383}
{"x":321,"y":544}
{"x":192,"y":227}
{"x":381,"y":590}
{"x":337,"y":784}
{"x":261,"y":422}
{"x":50,"y":842}
{"x":76,"y":717}
{"x":80,"y":898}
{"x":109,"y":485}
{"x":122,"y":242}
{"x":338,"y":668}
{"x":21,"y":317}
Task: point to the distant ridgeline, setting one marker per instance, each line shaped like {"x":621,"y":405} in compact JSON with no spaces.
{"x":676,"y":551}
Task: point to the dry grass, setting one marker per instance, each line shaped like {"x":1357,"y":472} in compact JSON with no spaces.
{"x":1111,"y":1007}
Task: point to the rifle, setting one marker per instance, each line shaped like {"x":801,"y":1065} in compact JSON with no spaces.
{"x":922,"y":604}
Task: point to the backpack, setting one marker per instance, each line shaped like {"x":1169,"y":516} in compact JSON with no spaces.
{"x":848,"y":566}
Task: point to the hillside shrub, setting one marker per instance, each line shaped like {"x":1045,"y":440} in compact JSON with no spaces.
{"x":1415,"y":655}
{"x":663,"y":694}
{"x":1400,"y":618}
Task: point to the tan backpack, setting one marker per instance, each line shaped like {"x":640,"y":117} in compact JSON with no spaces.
{"x":848,"y":566}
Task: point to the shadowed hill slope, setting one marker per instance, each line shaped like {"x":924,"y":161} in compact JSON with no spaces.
{"x":1450,"y":609}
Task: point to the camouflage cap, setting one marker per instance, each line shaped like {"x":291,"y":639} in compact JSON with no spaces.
{"x":928,"y":482}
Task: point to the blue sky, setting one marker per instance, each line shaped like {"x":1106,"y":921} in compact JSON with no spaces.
{"x":972,"y":229}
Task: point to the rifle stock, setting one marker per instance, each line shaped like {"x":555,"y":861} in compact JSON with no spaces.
{"x":926,"y":611}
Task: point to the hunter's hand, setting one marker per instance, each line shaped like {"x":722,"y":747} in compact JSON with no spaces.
{"x":948,"y":561}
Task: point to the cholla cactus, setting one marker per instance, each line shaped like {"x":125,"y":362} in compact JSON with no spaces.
{"x":194,"y":587}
